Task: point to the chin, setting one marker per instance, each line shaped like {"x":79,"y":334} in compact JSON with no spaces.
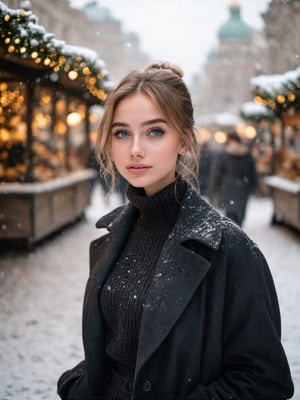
{"x":138,"y":183}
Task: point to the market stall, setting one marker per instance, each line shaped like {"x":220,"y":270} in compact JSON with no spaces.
{"x":286,"y":199}
{"x":263,"y":148}
{"x":47,"y":93}
{"x":32,"y":211}
{"x":280,"y":94}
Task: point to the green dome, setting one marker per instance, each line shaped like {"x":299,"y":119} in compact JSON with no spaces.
{"x":96,"y":13}
{"x":235,"y":28}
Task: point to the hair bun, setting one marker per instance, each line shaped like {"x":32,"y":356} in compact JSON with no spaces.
{"x":164,"y":65}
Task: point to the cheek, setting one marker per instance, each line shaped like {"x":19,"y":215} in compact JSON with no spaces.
{"x":169,"y":151}
{"x":166,"y":157}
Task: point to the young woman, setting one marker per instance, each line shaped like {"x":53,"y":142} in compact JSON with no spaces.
{"x":180,"y":303}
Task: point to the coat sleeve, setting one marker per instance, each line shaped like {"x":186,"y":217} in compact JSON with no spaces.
{"x":219,"y":170}
{"x":73,"y":383}
{"x":254,"y":364}
{"x":253,"y":176}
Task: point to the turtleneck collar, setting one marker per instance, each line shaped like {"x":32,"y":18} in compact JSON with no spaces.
{"x":160,"y":209}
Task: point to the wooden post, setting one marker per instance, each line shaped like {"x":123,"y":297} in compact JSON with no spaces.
{"x":67,"y":137}
{"x":282,"y":133}
{"x":29,"y":141}
{"x":87,"y":145}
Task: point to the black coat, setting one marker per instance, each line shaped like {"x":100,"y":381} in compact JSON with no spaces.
{"x":236,"y":179}
{"x":212,"y":328}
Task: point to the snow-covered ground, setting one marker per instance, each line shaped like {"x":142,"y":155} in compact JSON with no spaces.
{"x":281,"y":247}
{"x":41,"y":295}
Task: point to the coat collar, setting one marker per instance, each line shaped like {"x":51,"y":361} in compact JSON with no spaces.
{"x":197,"y":220}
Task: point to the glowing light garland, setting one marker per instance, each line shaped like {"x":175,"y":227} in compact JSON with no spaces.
{"x":278,"y":92}
{"x":22,"y":37}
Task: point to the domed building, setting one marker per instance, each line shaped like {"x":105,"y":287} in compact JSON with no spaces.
{"x":229,"y":66}
{"x":235,"y":27}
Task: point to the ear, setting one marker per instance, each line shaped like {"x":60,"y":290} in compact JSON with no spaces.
{"x":184,"y":146}
{"x":182,"y":149}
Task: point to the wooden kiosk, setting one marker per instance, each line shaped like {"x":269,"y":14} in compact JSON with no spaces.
{"x":286,"y":201}
{"x":32,"y":211}
{"x":280,"y":94}
{"x":46,"y":97}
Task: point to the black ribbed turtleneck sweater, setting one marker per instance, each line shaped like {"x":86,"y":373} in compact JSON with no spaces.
{"x":125,"y":290}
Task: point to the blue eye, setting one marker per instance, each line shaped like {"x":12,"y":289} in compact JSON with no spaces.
{"x":121,"y":134}
{"x":156,"y":132}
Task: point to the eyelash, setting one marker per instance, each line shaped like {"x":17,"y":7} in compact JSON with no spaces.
{"x":119,"y":134}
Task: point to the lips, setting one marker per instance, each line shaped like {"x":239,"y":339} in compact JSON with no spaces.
{"x":138,"y":168}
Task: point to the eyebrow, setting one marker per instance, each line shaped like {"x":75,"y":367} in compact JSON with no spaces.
{"x":146,"y":123}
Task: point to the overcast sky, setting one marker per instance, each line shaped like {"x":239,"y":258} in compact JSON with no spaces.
{"x":182,"y":31}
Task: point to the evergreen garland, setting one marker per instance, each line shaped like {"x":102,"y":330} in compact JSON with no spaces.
{"x":21,"y":36}
{"x":279,"y":92}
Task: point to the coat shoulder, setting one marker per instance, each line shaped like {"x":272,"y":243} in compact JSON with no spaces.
{"x":205,"y":224}
{"x":105,"y":222}
{"x":108,"y":219}
{"x":200,"y":221}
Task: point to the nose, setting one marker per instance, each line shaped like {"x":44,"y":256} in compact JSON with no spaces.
{"x":136,"y":148}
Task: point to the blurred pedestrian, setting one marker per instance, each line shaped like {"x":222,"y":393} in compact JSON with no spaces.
{"x":180,"y":303}
{"x":236,"y":178}
{"x":121,"y":187}
{"x":204,"y":168}
{"x":93,"y":164}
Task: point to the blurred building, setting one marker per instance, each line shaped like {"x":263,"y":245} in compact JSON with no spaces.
{"x":282,"y":36}
{"x":224,"y":83}
{"x":92,"y":26}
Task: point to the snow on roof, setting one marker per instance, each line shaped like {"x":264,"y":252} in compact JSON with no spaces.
{"x":283,"y":184}
{"x":251,"y":109}
{"x":277,"y":83}
{"x":38,"y":30}
{"x":35,"y":28}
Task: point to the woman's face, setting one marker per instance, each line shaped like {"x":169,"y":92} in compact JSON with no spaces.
{"x":143,"y":145}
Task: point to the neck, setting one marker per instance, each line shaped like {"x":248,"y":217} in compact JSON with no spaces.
{"x":160,"y":209}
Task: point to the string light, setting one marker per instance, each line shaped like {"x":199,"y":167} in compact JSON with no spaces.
{"x":73,"y":75}
{"x":280,"y":99}
{"x":272,"y":104}
{"x":47,"y":61}
{"x":291,"y":97}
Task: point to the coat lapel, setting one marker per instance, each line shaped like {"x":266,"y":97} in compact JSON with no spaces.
{"x":105,"y":251}
{"x":178,"y":268}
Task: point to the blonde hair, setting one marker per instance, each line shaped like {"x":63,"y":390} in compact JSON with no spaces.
{"x":163,"y":83}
